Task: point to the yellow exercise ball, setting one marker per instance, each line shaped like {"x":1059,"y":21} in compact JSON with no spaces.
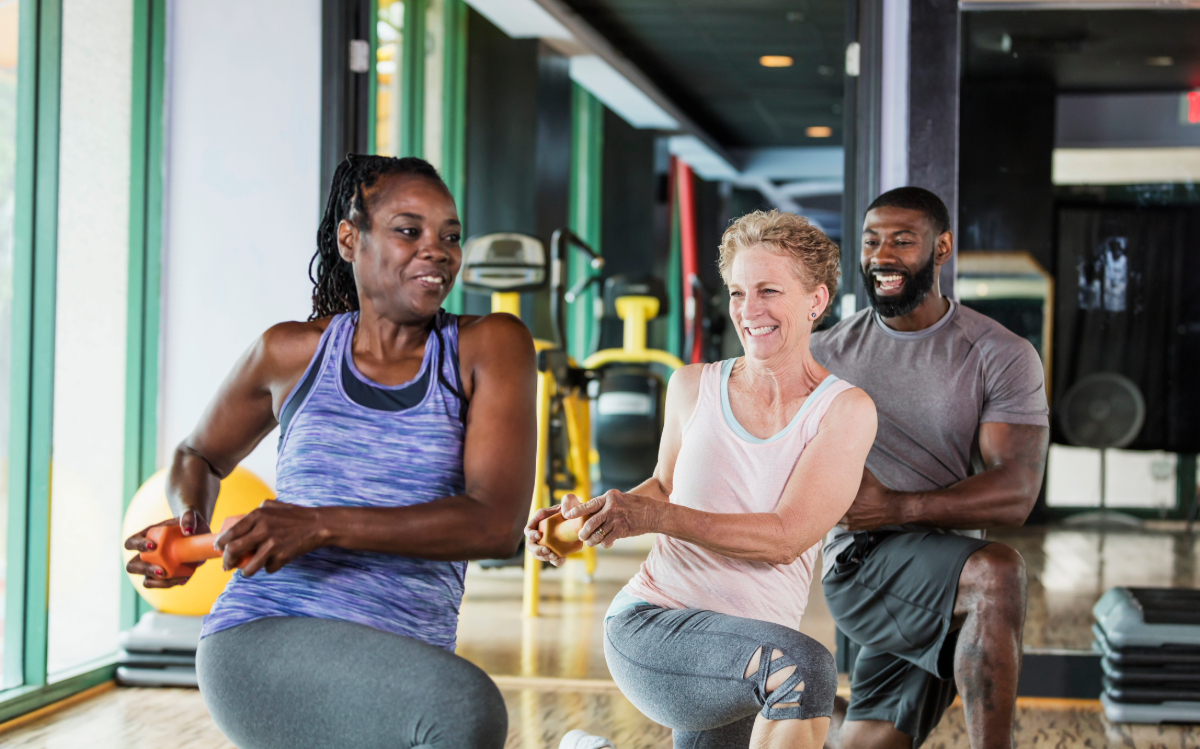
{"x":241,"y":492}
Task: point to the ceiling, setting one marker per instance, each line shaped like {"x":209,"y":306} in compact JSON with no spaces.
{"x":1094,"y":50}
{"x":704,"y":55}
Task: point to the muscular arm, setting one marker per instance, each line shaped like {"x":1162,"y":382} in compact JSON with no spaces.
{"x":498,"y":366}
{"x":999,"y":497}
{"x":484,"y":522}
{"x":240,"y":415}
{"x":817,"y":493}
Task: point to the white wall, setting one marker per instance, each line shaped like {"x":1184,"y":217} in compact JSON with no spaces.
{"x":242,"y":192}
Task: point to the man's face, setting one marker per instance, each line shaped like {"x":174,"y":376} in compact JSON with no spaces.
{"x":898,"y":259}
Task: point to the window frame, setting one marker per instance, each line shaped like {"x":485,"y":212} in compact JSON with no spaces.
{"x":33,"y":336}
{"x":410,"y":138}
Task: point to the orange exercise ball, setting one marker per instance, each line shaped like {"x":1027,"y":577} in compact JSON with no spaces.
{"x":241,"y":492}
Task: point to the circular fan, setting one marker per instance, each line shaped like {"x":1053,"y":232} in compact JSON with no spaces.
{"x":1103,"y":410}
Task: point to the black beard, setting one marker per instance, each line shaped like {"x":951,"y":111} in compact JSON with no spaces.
{"x":916,"y":287}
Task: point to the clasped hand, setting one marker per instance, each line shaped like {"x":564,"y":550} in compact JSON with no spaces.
{"x":614,"y":515}
{"x":267,"y":539}
{"x":874,"y":506}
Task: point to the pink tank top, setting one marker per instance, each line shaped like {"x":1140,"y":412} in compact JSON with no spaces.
{"x":723,"y":468}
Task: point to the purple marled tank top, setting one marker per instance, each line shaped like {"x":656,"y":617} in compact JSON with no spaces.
{"x":351,"y":442}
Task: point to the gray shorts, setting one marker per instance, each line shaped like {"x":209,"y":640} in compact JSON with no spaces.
{"x":685,"y":669}
{"x":892,"y":594}
{"x":299,"y":682}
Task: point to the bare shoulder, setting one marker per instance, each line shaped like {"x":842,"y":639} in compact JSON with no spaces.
{"x":852,"y":410}
{"x":685,"y":381}
{"x":290,"y":346}
{"x":683,"y":391}
{"x":482,"y":336}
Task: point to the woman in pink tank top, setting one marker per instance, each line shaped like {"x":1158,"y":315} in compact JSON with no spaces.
{"x":760,"y":457}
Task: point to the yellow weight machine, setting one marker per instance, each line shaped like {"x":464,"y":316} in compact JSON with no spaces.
{"x":630,"y":395}
{"x":506,"y":264}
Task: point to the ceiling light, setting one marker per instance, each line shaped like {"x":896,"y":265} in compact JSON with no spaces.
{"x":1165,"y":61}
{"x":775,"y":61}
{"x":818,"y":131}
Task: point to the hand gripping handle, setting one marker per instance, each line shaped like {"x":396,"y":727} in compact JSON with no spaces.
{"x":560,"y":535}
{"x":173,"y":550}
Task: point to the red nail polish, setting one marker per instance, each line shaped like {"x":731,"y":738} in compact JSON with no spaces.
{"x":150,"y":546}
{"x":159,"y":573}
{"x":187,"y":529}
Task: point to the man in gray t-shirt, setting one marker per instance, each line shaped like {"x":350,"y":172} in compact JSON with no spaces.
{"x":963,"y":426}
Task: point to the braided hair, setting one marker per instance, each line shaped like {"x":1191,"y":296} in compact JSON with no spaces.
{"x":334,"y":290}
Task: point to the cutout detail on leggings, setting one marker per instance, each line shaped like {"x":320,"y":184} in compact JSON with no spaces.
{"x":785,"y":693}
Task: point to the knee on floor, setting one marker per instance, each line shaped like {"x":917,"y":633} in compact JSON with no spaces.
{"x":994,"y":570}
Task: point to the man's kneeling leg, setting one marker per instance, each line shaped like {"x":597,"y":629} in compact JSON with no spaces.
{"x":990,"y":614}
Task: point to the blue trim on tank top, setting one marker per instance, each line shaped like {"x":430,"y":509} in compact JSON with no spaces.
{"x":318,"y":360}
{"x":426,"y":357}
{"x":740,"y":431}
{"x":346,"y":343}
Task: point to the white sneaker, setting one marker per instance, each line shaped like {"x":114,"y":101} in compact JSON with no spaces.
{"x":578,"y":739}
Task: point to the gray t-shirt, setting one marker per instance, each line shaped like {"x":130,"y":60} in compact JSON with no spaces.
{"x":932,"y":389}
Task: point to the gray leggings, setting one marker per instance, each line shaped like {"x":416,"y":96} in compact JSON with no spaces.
{"x":300,"y":683}
{"x":685,"y":669}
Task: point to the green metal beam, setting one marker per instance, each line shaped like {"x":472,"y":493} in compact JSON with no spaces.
{"x":412,"y":81}
{"x":21,"y":335}
{"x":32,"y":388}
{"x":675,"y":281}
{"x":585,"y":207}
{"x":145,"y":261}
{"x":17,"y":702}
{"x":454,"y":118}
{"x":373,"y":80}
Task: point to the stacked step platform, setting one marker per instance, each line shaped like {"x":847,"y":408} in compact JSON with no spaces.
{"x":160,"y":651}
{"x":1149,"y":643}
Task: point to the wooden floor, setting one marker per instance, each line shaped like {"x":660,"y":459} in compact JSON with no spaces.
{"x":552,"y":674}
{"x":537,"y":718}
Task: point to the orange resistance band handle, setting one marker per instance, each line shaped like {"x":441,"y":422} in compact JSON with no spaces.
{"x":562,"y":536}
{"x":173,"y":551}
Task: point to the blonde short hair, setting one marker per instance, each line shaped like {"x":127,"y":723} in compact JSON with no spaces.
{"x":816,"y":259}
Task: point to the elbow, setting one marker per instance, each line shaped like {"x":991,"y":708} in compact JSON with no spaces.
{"x":785,"y":556}
{"x":500,"y":545}
{"x":1018,"y":511}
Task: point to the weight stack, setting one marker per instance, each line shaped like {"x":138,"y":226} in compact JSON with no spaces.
{"x":1149,"y":643}
{"x":160,"y":651}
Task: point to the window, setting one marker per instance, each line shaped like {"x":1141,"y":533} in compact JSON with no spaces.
{"x":389,"y":30}
{"x":92,"y":280}
{"x":9,"y":40}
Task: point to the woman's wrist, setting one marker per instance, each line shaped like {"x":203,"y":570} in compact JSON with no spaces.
{"x":326,"y":526}
{"x":660,"y":516}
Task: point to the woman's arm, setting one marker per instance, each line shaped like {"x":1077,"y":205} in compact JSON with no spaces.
{"x":484,"y":522}
{"x":822,"y":486}
{"x":682,"y":393}
{"x":240,"y":415}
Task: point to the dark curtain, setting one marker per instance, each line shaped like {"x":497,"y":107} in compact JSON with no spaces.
{"x":1125,"y":302}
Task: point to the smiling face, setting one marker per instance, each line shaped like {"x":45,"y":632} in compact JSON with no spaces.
{"x":405,"y":263}
{"x":769,"y":306}
{"x":900,"y":254}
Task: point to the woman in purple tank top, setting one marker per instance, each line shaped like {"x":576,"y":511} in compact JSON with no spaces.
{"x":407,"y":441}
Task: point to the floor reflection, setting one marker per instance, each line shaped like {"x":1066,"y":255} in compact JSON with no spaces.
{"x":1068,"y":571}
